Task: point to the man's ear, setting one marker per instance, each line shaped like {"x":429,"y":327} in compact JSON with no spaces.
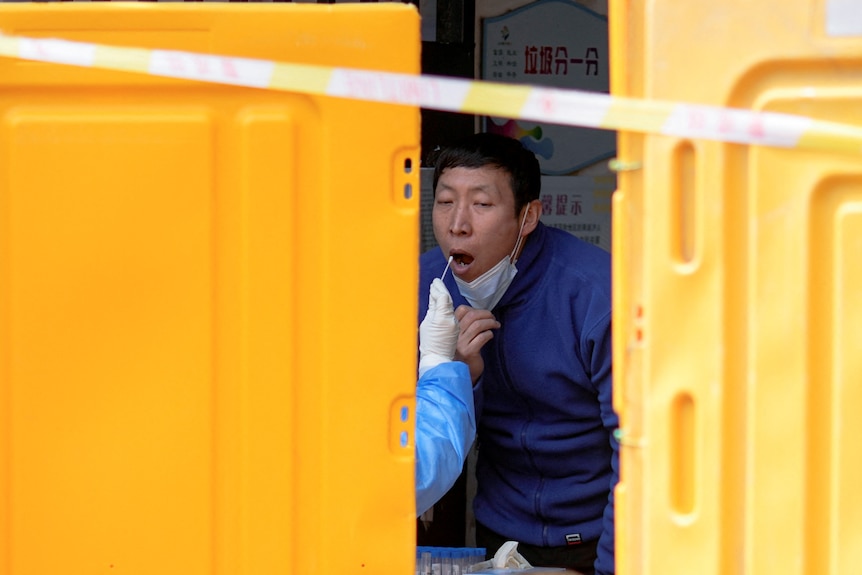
{"x":534,"y":212}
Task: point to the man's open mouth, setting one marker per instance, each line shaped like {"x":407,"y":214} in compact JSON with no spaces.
{"x":461,"y":259}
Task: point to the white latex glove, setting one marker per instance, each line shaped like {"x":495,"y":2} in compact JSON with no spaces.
{"x":506,"y":558}
{"x":438,"y":332}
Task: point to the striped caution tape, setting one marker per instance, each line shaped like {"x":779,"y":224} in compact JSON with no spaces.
{"x":541,"y":104}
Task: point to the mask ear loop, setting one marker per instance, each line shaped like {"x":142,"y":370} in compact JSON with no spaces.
{"x":520,"y":237}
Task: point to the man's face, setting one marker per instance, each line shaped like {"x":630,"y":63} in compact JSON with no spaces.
{"x":474,"y":218}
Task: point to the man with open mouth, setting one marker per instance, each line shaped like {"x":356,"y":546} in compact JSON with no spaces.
{"x":534,"y":308}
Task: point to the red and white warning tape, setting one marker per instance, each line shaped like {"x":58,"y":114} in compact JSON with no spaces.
{"x":548,"y":105}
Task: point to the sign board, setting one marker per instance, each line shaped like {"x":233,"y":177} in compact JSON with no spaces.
{"x":555,"y":43}
{"x":581,"y":205}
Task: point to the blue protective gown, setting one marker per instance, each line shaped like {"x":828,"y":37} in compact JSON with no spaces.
{"x":445,"y":429}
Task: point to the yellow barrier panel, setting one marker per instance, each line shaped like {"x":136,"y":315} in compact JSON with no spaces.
{"x":195,"y":377}
{"x":737,"y":302}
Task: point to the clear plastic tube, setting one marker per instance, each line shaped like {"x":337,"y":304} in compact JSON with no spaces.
{"x":425,"y":563}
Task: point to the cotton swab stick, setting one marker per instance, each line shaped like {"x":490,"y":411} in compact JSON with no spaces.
{"x":446,"y":268}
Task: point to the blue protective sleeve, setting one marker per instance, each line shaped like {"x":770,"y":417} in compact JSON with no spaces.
{"x":445,"y":430}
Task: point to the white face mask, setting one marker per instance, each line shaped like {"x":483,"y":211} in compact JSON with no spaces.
{"x":485,"y":291}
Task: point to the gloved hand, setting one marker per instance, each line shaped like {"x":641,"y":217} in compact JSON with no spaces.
{"x":438,"y":332}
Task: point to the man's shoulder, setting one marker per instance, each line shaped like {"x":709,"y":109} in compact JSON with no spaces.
{"x":578,"y":255}
{"x":431,"y":264}
{"x":429,"y":255}
{"x":432,"y":259}
{"x":571,"y":243}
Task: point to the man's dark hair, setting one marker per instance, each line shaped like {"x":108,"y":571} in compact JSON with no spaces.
{"x":486,"y":149}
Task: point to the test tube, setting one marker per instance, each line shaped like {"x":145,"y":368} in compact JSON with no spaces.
{"x":457,"y":561}
{"x":477,"y":555}
{"x":446,"y":561}
{"x":425,"y":562}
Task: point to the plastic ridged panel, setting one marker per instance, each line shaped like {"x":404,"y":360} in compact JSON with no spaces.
{"x":207,"y":328}
{"x":738,"y":304}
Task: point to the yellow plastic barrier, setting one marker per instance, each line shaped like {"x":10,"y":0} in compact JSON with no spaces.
{"x":207,"y":334}
{"x":738,"y":297}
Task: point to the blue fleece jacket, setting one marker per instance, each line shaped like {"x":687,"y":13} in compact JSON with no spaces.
{"x":547,"y":459}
